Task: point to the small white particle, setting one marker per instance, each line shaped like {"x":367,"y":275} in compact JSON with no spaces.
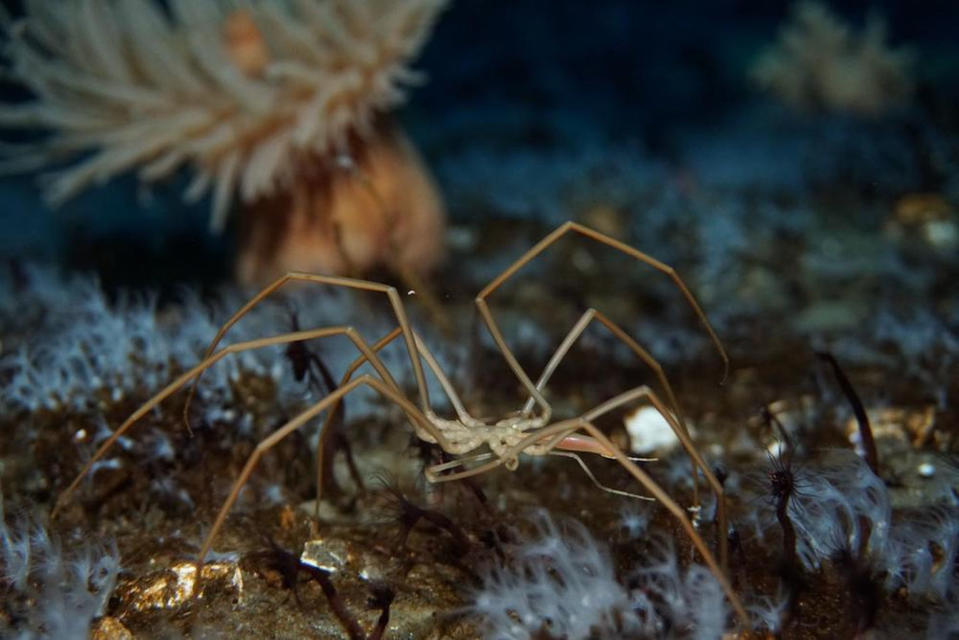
{"x":649,"y":431}
{"x":776,"y":448}
{"x":411,"y":292}
{"x":926,"y":470}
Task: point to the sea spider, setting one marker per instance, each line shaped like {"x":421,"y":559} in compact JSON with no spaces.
{"x":524,"y":432}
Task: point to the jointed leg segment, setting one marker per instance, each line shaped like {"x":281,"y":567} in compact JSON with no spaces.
{"x":536,"y":391}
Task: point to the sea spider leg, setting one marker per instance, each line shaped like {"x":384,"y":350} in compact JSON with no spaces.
{"x":687,"y":443}
{"x":436,"y":470}
{"x":588,"y":316}
{"x":595,"y":480}
{"x":286,"y":338}
{"x":444,"y":381}
{"x":271,"y":440}
{"x":458,"y":406}
{"x":541,"y":246}
{"x":351,"y":283}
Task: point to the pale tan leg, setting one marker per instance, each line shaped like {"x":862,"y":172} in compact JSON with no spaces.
{"x":434,"y":473}
{"x":363,"y":285}
{"x":595,"y":481}
{"x":192,"y":374}
{"x":541,"y":246}
{"x":427,"y":355}
{"x":458,"y":406}
{"x":677,"y":511}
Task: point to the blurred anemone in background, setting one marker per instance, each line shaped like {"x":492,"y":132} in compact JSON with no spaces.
{"x":819,"y":63}
{"x":278,"y":107}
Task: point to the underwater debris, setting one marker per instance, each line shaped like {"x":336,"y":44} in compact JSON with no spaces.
{"x":818,"y":64}
{"x":649,"y":432}
{"x":279,"y":105}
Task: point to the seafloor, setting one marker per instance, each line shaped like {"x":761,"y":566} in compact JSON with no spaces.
{"x":155,"y":494}
{"x":807,"y":240}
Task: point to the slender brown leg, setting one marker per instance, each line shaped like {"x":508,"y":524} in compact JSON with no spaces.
{"x":680,"y":515}
{"x":427,"y":355}
{"x":541,"y":246}
{"x":424,"y":426}
{"x":644,"y":392}
{"x":454,"y":398}
{"x":549,"y":438}
{"x":599,"y":485}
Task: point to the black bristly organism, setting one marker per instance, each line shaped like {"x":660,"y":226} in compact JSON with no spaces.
{"x":408,"y":514}
{"x":862,"y":418}
{"x":309,"y":367}
{"x":782,"y":486}
{"x":305,"y":362}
